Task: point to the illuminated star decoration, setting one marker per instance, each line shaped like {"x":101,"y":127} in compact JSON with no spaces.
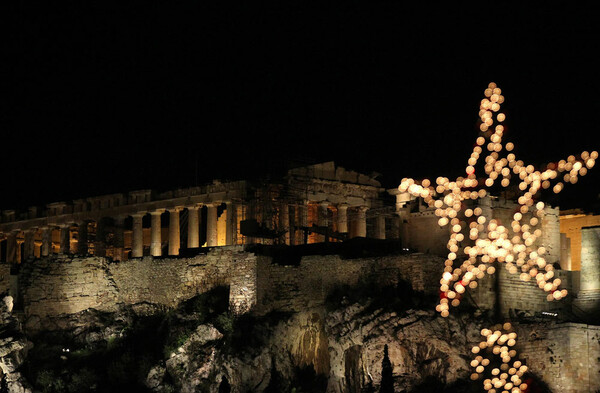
{"x":504,"y":377}
{"x":492,"y":241}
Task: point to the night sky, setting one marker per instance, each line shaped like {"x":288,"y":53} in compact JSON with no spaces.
{"x":102,"y":98}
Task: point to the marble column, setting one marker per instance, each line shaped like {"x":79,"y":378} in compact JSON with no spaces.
{"x":323,"y":219}
{"x":19,"y":257}
{"x":211,"y":224}
{"x":11,"y":247}
{"x":174,"y":233}
{"x":46,"y":241}
{"x":193,"y":238}
{"x":65,"y":239}
{"x":156,"y":233}
{"x":380,"y":227}
{"x":230,"y":224}
{"x":119,"y":245}
{"x":137,"y":237}
{"x":29,"y":249}
{"x":342,"y":218}
{"x":361,"y":221}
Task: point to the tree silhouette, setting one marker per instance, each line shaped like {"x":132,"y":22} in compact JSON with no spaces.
{"x":387,"y":379}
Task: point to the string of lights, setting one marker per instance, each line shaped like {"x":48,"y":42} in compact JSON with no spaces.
{"x":492,"y":241}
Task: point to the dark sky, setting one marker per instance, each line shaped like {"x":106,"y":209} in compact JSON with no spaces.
{"x":102,"y":98}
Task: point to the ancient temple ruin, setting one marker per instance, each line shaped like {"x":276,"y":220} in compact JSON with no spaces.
{"x":312,"y":204}
{"x":318,"y":203}
{"x":145,"y":248}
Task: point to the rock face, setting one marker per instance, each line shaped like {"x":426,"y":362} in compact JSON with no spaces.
{"x":13,"y":349}
{"x":420,"y":346}
{"x":193,"y":360}
{"x":316,"y":350}
{"x":338,"y":352}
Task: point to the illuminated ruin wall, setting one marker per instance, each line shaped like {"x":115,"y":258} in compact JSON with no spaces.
{"x":517,"y":299}
{"x":295,"y":287}
{"x":421,"y":231}
{"x":566,"y":356}
{"x":312,"y":201}
{"x":588,"y":298}
{"x":571,"y":226}
{"x":55,"y":286}
{"x":63,"y":285}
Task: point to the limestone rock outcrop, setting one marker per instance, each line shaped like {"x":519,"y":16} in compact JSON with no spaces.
{"x":13,"y":349}
{"x":337,"y":352}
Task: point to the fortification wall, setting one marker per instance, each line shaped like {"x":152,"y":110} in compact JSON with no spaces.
{"x":518,"y":298}
{"x":55,"y":286}
{"x":4,"y":278}
{"x":515,"y":296}
{"x":566,"y":356}
{"x":588,"y":298}
{"x":296,"y":287}
{"x":590,"y":259}
{"x":423,"y":233}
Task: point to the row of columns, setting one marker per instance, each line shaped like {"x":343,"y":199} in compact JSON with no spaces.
{"x":360,"y":221}
{"x":13,"y":243}
{"x":193,"y":232}
{"x":13,"y":251}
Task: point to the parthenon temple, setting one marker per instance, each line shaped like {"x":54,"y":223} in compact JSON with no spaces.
{"x":317,"y":203}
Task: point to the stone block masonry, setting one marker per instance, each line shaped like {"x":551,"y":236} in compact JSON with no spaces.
{"x":566,"y":356}
{"x":56,"y":286}
{"x":514,"y":297}
{"x":4,"y":278}
{"x":588,"y":299}
{"x":292,"y":288}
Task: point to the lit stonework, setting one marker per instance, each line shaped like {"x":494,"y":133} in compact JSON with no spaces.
{"x":193,"y":240}
{"x":311,"y":204}
{"x":174,"y":232}
{"x":156,"y":236}
{"x":211,"y":225}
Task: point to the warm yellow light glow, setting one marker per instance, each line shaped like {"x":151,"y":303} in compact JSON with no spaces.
{"x":505,"y":376}
{"x":493,"y":242}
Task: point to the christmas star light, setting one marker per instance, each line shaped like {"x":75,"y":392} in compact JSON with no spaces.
{"x":491,"y":240}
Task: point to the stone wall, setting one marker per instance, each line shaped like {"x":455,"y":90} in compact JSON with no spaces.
{"x":296,"y":287}
{"x":54,"y":286}
{"x":590,"y":259}
{"x":4,"y":278}
{"x":422,"y":232}
{"x":588,"y":299}
{"x":566,"y":356}
{"x":518,"y":298}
